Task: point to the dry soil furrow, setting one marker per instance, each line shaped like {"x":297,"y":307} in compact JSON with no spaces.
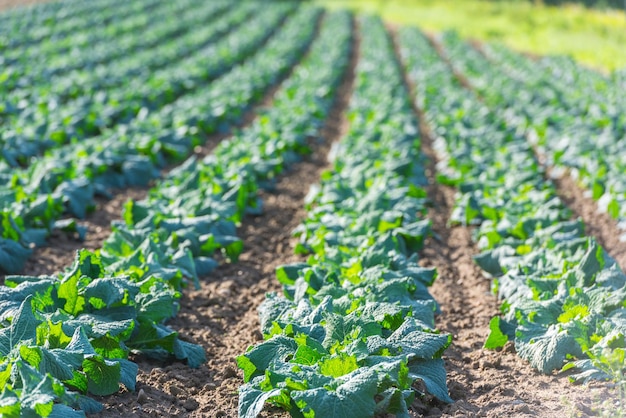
{"x":222,"y":316}
{"x":483,"y":383}
{"x":61,"y":248}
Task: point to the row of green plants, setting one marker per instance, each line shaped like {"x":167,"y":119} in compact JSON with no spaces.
{"x":32,"y":72}
{"x":28,"y":26}
{"x":66,"y":181}
{"x":73,"y":107}
{"x":355,"y":329}
{"x":563,"y":297}
{"x":65,"y":336}
{"x":31,"y":57}
{"x":575,"y":117}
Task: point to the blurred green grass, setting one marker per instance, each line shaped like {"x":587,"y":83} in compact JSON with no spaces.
{"x":593,"y":37}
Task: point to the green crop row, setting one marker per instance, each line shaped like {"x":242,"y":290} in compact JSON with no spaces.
{"x":59,"y":19}
{"x":33,"y":74}
{"x":27,"y":59}
{"x":47,"y":114}
{"x":356,"y":328}
{"x":563,"y":295}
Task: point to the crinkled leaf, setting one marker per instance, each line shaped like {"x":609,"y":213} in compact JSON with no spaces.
{"x":103,"y":376}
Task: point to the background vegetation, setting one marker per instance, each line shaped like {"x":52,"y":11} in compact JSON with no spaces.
{"x":594,"y":37}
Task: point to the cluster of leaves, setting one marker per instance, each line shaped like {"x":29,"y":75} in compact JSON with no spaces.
{"x":67,"y":180}
{"x":356,"y":326}
{"x":575,"y":116}
{"x":100,"y":88}
{"x":68,"y":335}
{"x":564,"y":297}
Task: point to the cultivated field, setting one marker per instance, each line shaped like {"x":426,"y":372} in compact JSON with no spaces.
{"x":219,"y":209}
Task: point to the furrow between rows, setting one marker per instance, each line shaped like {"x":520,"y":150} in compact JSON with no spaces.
{"x":598,"y":224}
{"x":114,"y":302}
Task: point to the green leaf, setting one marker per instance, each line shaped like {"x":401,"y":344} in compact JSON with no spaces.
{"x":546,"y":348}
{"x":13,"y":256}
{"x":193,"y":353}
{"x":613,"y":208}
{"x":275,"y":350}
{"x":339,"y":365}
{"x":354,"y":397}
{"x":103,"y":376}
{"x":23,"y":329}
{"x":306,"y":355}
{"x":109,"y":347}
{"x":49,"y":362}
{"x":64,"y":411}
{"x":38,"y":390}
{"x":77,"y":382}
{"x":102,"y":293}
{"x":496,"y":337}
{"x":80,"y":343}
{"x":287,"y":274}
{"x":490,"y":261}
{"x":69,"y":291}
{"x":158,"y":303}
{"x":9,"y":403}
{"x":336,"y":330}
{"x":128,"y":373}
{"x":252,"y":400}
{"x":433,"y":374}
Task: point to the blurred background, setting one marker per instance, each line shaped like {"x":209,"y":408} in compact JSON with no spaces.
{"x":591,"y":31}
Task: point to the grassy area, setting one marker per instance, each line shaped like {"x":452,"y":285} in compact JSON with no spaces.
{"x":596,"y":38}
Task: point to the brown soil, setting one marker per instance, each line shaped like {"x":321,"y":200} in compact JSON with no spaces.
{"x":222,"y":316}
{"x":460,"y":76}
{"x":61,"y":248}
{"x":597,"y":224}
{"x":487,"y":383}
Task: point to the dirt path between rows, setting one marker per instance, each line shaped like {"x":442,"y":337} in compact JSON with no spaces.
{"x":487,"y":383}
{"x":222,"y":316}
{"x":483,"y":383}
